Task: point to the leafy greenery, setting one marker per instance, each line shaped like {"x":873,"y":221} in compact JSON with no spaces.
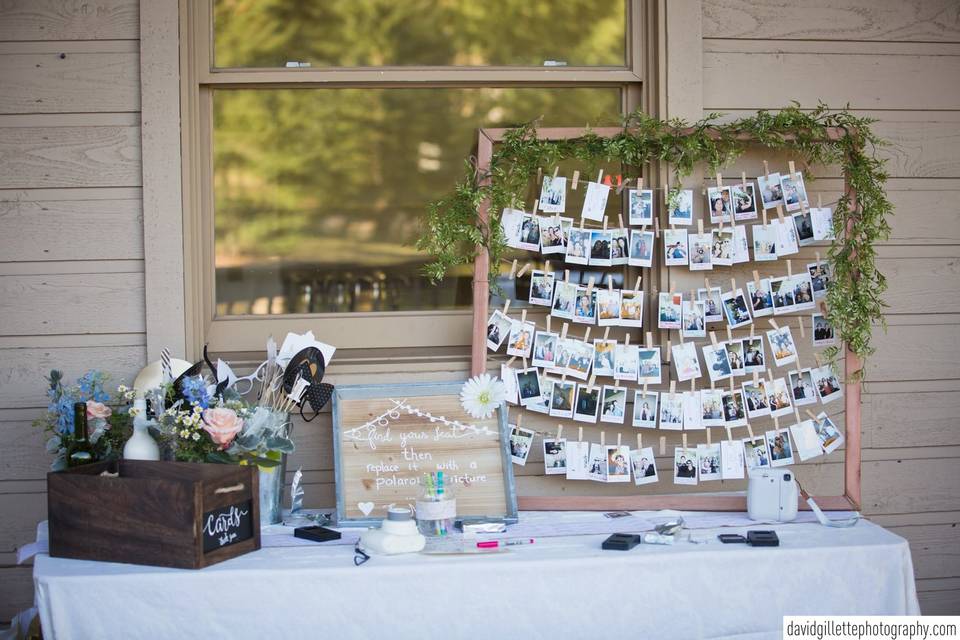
{"x":453,"y":233}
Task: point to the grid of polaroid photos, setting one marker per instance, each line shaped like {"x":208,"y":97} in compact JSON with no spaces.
{"x":735,"y":361}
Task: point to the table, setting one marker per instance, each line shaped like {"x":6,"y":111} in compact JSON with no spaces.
{"x":559,"y":587}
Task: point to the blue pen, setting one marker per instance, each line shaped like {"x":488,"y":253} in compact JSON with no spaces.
{"x":443,"y":529}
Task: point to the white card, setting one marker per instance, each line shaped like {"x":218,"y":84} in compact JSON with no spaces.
{"x":578,"y":460}
{"x":731,"y":459}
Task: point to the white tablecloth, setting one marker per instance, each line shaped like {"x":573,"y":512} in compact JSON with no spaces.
{"x":559,"y":587}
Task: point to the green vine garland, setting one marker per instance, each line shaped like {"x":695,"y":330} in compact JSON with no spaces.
{"x":452,"y":232}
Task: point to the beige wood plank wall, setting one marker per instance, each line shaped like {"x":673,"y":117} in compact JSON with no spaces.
{"x":898,"y":62}
{"x":71,"y":230}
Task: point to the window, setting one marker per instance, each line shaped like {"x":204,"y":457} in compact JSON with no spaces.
{"x":320,"y":130}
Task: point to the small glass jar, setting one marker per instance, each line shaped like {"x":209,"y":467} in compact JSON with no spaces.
{"x":436,"y":510}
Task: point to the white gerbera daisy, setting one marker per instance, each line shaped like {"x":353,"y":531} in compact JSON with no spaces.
{"x":482,"y":395}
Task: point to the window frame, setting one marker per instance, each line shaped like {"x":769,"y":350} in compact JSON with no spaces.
{"x":395,"y":329}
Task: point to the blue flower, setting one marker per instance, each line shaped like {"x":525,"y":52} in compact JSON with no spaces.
{"x":195,"y":391}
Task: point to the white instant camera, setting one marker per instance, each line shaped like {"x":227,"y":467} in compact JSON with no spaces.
{"x":772,"y":495}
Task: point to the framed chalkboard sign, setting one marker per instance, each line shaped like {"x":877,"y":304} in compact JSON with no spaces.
{"x":227,"y":525}
{"x":386,"y":437}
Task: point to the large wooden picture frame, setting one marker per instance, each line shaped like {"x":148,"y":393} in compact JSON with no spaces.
{"x":713,"y":502}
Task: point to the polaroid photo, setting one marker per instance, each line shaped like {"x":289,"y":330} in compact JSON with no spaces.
{"x":640,"y":205}
{"x":551,"y":235}
{"x":823,"y":333}
{"x":692,"y":411}
{"x":631,"y":308}
{"x":553,"y":194}
{"x":712,"y":303}
{"x":675,"y":247}
{"x":684,"y":465}
{"x":561,"y":357}
{"x":644,"y":466}
{"x":764,"y":242}
{"x":545,"y":349}
{"x":595,"y":202}
{"x":641,"y":248}
{"x":670,"y":310}
{"x":578,"y":460}
{"x":601,"y":248}
{"x":708,"y":456}
{"x":613,"y":404}
{"x":618,"y":463}
{"x":731,"y":459}
{"x":805,"y":441}
{"x":827,"y":433}
{"x":803,"y":224}
{"x":529,"y":233}
{"x":711,"y":407}
{"x":528,"y":386}
{"x":619,"y":251}
{"x":700,"y":251}
{"x":734,"y":411}
{"x":588,"y":404}
{"x":508,"y":375}
{"x":521,"y":441}
{"x":794,"y":191}
{"x":753,"y":359}
{"x":778,"y":396}
{"x":694,"y":319}
{"x":717,"y":361}
{"x":554,"y":456}
{"x":649,"y":369}
{"x":510,"y":221}
{"x":561,"y":400}
{"x":564,"y":300}
{"x":778,"y":444}
{"x":578,"y":246}
{"x":820,"y":278}
{"x":771,"y":193}
{"x":580,"y":360}
{"x":803,"y":296}
{"x":741,"y":246}
{"x":822,"y":220}
{"x":566,"y":226}
{"x":626,"y":362}
{"x":735,"y":309}
{"x":645,"y":409}
{"x":781,"y":293}
{"x":603,"y":357}
{"x":498,"y":329}
{"x":801,"y":387}
{"x":782,"y":346}
{"x":722,"y":251}
{"x":787,"y":242}
{"x":720,"y":204}
{"x":608,"y":307}
{"x":761,"y":300}
{"x":597,"y":466}
{"x":758,"y":403}
{"x":681,"y":207}
{"x":686,"y":361}
{"x":744,"y":197}
{"x":826,"y":383}
{"x":541,"y":404}
{"x":520,"y":340}
{"x":757,"y":456}
{"x":585,"y":311}
{"x":735,"y":356}
{"x":541,"y":287}
{"x":671,"y":411}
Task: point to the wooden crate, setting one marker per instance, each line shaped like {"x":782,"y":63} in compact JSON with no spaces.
{"x":169,"y":514}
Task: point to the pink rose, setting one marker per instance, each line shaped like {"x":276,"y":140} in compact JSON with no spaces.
{"x":222,"y":424}
{"x":98,"y":410}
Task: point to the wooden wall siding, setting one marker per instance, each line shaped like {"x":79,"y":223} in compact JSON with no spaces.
{"x":897,"y":62}
{"x":71,"y":246}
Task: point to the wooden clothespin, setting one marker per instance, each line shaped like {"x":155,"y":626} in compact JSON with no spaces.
{"x":579,"y":434}
{"x":649,"y":339}
{"x":563,"y":331}
{"x":780,"y":213}
{"x":796,"y":413}
{"x":511,"y":361}
{"x":576,"y":180}
{"x":812,"y":415}
{"x":513,"y":269}
{"x":773,"y":323}
{"x":766,"y":169}
{"x":640,"y":182}
{"x":636,"y":284}
{"x":729,"y":334}
{"x":592,"y":382}
{"x":673,"y":286}
{"x":803,"y":334}
{"x":555,"y":170}
{"x":656,"y":227}
{"x":604,"y":223}
{"x":546,"y":267}
{"x":620,"y":220}
{"x":583,"y":221}
{"x":621,"y":185}
{"x":693,"y":385}
{"x":586,"y":335}
{"x":753,"y":329}
{"x":706,"y":284}
{"x":816,"y":357}
{"x":539,"y":176}
{"x":626,"y":340}
{"x":610,"y":282}
{"x":523,"y":316}
{"x":525,"y":364}
{"x":559,"y":431}
{"x":743,"y":180}
{"x":606,"y":334}
{"x":603,"y":438}
{"x":669,"y":350}
{"x":506,"y":306}
{"x":756,"y":378}
{"x":770,"y":374}
{"x":719,"y":180}
{"x":776,"y":422}
{"x":590,"y":284}
{"x":713,"y":338}
{"x":750,"y":431}
{"x":519,"y":419}
{"x":700,"y":227}
{"x":644,"y":389}
{"x":817,"y":256}
{"x":523,"y":270}
{"x":536,"y":205}
{"x":764,"y":213}
{"x":789,"y":268}
{"x":619,"y":438}
{"x":600,"y":176}
{"x":663,"y":445}
{"x":673,"y":388}
{"x":819,"y":201}
{"x":639,"y":441}
{"x":684,"y":436}
{"x":709,"y":437}
{"x":756,"y":279}
{"x":566,"y":275}
{"x":548,"y":323}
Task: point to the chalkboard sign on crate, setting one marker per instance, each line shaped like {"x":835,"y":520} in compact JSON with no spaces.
{"x":169,"y":514}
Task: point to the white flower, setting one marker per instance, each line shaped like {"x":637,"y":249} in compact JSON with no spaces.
{"x":482,"y":395}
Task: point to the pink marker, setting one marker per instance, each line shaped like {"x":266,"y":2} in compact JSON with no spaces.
{"x":493,"y":544}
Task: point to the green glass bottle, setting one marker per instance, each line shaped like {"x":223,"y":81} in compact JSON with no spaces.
{"x":79,"y":452}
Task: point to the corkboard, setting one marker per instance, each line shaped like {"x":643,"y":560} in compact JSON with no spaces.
{"x":387,"y":436}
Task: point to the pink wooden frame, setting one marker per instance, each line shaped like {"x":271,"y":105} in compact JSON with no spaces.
{"x":732,"y":502}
